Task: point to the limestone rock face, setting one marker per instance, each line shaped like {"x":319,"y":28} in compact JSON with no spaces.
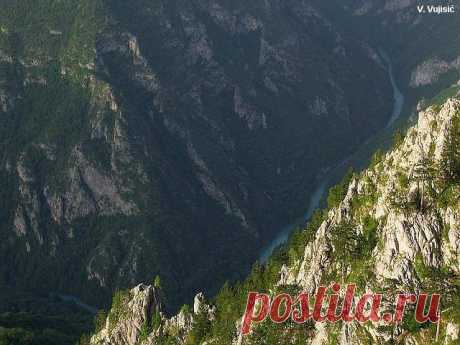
{"x":127,"y":322}
{"x":133,"y":312}
{"x":431,"y":70}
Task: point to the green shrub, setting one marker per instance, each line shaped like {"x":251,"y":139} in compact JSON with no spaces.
{"x":185,"y":309}
{"x":144,"y":331}
{"x":117,"y":311}
{"x":338,"y":192}
{"x":369,"y":241}
{"x":99,"y":320}
{"x":423,"y":271}
{"x":201,"y":327}
{"x":403,"y":179}
{"x":377,"y":158}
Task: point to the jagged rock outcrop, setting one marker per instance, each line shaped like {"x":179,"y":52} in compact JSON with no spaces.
{"x":134,"y":309}
{"x":130,"y":319}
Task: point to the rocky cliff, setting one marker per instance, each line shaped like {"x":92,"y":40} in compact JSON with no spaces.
{"x":393,"y":227}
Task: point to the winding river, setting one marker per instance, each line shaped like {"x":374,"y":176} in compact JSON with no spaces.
{"x":335,"y":174}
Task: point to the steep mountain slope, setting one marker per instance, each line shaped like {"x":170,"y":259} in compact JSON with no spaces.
{"x":142,"y":138}
{"x":393,"y":227}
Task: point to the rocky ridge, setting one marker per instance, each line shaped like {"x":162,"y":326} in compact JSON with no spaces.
{"x":404,"y":211}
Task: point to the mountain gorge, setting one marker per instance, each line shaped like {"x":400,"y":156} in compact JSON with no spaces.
{"x":148,"y":138}
{"x":176,"y":138}
{"x":393,"y":227}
